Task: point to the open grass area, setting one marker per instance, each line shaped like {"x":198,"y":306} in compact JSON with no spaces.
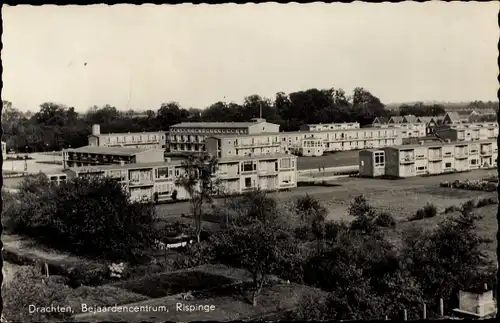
{"x":340,"y":158}
{"x":273,"y":300}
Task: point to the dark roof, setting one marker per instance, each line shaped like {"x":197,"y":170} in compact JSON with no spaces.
{"x":410,"y":118}
{"x":228,"y":125}
{"x":397,"y":119}
{"x":381,"y":120}
{"x":119,"y":151}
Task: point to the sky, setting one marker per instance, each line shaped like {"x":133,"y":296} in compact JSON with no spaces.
{"x":137,"y":57}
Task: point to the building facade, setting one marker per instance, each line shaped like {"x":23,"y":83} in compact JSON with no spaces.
{"x":296,"y":141}
{"x":430,"y":158}
{"x":155,"y":139}
{"x":467,"y":132}
{"x":329,"y":126}
{"x":190,"y":136}
{"x":93,"y":156}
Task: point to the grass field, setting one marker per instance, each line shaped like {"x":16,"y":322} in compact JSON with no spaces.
{"x":341,"y":158}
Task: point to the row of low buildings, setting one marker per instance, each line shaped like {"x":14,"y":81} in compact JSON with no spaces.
{"x":428,"y":158}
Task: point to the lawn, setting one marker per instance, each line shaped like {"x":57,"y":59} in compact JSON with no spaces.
{"x":278,"y":298}
{"x":340,"y":158}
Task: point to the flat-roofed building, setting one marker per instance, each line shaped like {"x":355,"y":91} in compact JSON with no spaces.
{"x":285,"y":142}
{"x":330,"y":126}
{"x":467,"y":132}
{"x":236,"y":174}
{"x":371,"y":163}
{"x":240,"y":174}
{"x":436,"y":158}
{"x":156,"y":139}
{"x":190,"y":136}
{"x":310,"y":147}
{"x":92,"y":155}
{"x":142,"y":181}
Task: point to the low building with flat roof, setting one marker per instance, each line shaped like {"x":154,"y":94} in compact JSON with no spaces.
{"x":151,"y":139}
{"x":429,"y":158}
{"x":93,"y":155}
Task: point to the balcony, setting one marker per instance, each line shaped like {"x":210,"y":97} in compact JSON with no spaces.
{"x":136,"y":183}
{"x":435,"y":157}
{"x":226,"y":175}
{"x":268,"y":173}
{"x":407,"y":160}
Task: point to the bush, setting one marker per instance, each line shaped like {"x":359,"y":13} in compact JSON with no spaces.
{"x":85,"y":216}
{"x":385,"y":219}
{"x":428,"y":211}
{"x":486,"y":201}
{"x":451,"y":209}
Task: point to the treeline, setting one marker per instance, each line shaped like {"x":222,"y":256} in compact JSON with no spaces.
{"x":56,"y":126}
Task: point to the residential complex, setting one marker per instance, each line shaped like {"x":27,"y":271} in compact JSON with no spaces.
{"x":190,"y":136}
{"x":308,"y":143}
{"x":467,"y":132}
{"x":155,"y":139}
{"x":93,"y":156}
{"x":411,"y":126}
{"x":428,"y":158}
{"x":329,"y":126}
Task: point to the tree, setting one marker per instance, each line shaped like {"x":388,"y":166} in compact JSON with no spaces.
{"x":449,"y":258}
{"x":364,"y":216}
{"x":314,"y":215}
{"x":259,"y":247}
{"x":199,"y":182}
{"x":171,"y":113}
{"x":87,"y":216}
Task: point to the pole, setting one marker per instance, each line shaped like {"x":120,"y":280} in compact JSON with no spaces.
{"x":441,"y":307}
{"x":386,"y":318}
{"x":405,"y":315}
{"x":260,"y":110}
{"x":425,"y":311}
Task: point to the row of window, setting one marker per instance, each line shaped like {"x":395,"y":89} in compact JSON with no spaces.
{"x":209,"y":130}
{"x":139,"y":138}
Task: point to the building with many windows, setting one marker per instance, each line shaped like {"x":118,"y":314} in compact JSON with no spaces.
{"x":155,"y":139}
{"x":190,"y":136}
{"x":93,"y":156}
{"x":298,"y":142}
{"x":329,"y":126}
{"x":428,"y":158}
{"x":467,"y":131}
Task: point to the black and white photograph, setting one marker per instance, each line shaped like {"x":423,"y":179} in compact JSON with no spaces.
{"x":257,"y":162}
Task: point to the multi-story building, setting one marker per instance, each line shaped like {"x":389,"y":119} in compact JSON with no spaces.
{"x":329,"y":126}
{"x":236,"y":175}
{"x":428,"y":158}
{"x":467,"y":132}
{"x":155,"y":139}
{"x":142,"y":180}
{"x":92,"y":155}
{"x":297,"y":141}
{"x":190,"y":136}
{"x":411,"y":126}
{"x":4,"y":149}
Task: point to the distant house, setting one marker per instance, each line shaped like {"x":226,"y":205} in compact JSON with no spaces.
{"x":425,"y":120}
{"x":482,"y":115}
{"x":410,"y":119}
{"x":433,"y":123}
{"x":428,"y":124}
{"x":396,"y":119}
{"x":378,"y":121}
{"x":454,"y":118}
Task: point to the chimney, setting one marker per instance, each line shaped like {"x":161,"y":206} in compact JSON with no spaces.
{"x":448,"y":140}
{"x":421,"y":142}
{"x":96,"y":129}
{"x":122,"y":162}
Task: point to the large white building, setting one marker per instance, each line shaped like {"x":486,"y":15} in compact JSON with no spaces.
{"x":155,"y":139}
{"x":190,"y":136}
{"x":428,"y":158}
{"x":310,"y":143}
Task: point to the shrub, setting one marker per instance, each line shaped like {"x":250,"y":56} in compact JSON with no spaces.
{"x":85,"y":216}
{"x":428,"y":211}
{"x":486,"y":201}
{"x":451,"y":209}
{"x":385,"y":219}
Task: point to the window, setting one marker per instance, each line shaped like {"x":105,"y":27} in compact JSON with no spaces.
{"x":285,"y":163}
{"x":162,"y":172}
{"x":177,"y":172}
{"x":379,"y":159}
{"x":248,"y":182}
{"x":247,"y":166}
{"x":447,"y":165}
{"x":422,"y":168}
{"x":473,"y":162}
